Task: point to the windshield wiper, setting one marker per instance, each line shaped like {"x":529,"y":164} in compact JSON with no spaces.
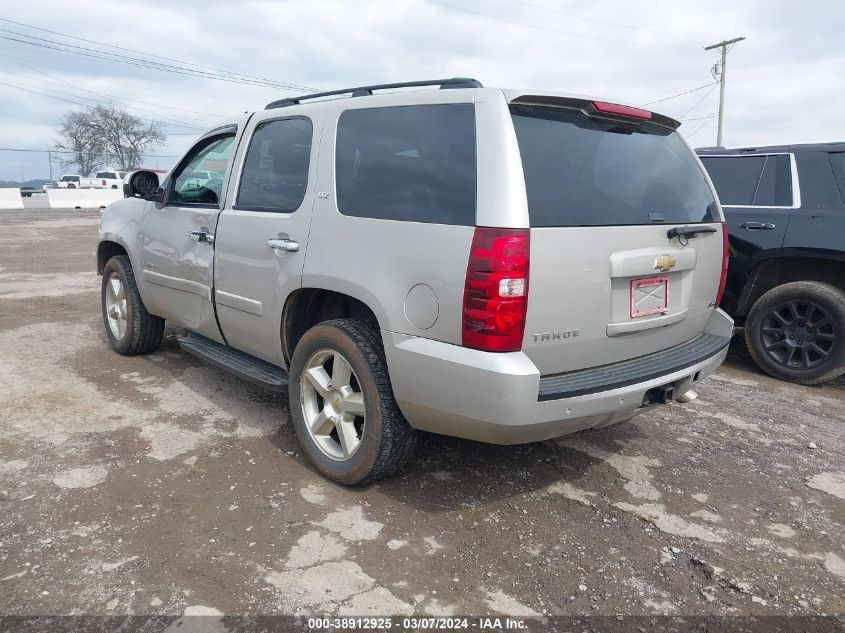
{"x":688,"y":231}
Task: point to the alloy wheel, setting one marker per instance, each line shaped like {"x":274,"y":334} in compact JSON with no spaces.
{"x":116,"y":305}
{"x":799,"y":334}
{"x":332,"y":404}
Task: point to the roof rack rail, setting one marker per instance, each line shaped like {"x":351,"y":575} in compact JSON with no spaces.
{"x":362,"y":91}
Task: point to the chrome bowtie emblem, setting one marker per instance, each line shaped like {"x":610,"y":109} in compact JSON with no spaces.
{"x":664,"y":263}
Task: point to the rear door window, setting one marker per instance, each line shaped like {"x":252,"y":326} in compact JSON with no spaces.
{"x":775,"y":186}
{"x":761,"y":180}
{"x":837,"y":162}
{"x":583,"y":171}
{"x":410,"y":163}
{"x":275,"y":173}
{"x":735,"y":177}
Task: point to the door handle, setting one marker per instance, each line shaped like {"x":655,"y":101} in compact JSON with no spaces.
{"x":201,"y":236}
{"x":283,"y":244}
{"x":757,"y":226}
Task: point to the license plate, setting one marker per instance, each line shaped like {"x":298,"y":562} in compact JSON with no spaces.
{"x":649,"y":296}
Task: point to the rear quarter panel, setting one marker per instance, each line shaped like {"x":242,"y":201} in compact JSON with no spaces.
{"x":819,"y":224}
{"x":381,"y":261}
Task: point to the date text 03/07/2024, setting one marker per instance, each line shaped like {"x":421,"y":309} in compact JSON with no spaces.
{"x":483,"y":623}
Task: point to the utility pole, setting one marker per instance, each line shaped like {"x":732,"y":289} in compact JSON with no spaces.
{"x":50,"y":158}
{"x":724,"y":46}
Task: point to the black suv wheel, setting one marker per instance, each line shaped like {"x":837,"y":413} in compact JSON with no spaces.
{"x":796,"y":332}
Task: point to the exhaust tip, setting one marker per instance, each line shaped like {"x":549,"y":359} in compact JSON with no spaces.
{"x":687,"y":396}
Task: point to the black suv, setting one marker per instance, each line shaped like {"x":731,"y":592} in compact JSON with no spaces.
{"x":785,"y":209}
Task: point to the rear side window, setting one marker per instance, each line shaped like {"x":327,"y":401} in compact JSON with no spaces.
{"x":275,"y":173}
{"x":760,"y":180}
{"x":582,"y":171}
{"x":410,"y":163}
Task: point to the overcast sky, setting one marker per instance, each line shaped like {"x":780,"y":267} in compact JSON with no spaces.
{"x":785,"y":82}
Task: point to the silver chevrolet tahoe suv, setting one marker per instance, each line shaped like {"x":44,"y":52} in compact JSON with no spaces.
{"x":498,"y":265}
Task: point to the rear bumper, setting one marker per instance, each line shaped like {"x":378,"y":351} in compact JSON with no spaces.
{"x":500,"y":398}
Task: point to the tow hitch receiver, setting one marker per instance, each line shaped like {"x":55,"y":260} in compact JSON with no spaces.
{"x":659,"y":395}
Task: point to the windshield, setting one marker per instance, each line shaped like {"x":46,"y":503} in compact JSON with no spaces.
{"x":583,"y":171}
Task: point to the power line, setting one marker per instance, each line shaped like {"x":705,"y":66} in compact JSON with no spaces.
{"x":105,"y":94}
{"x":75,"y":71}
{"x":122,"y":59}
{"x":44,"y":94}
{"x":132,"y":61}
{"x":699,"y":102}
{"x":709,"y":115}
{"x":681,"y":94}
{"x":62,"y":151}
{"x":699,"y":128}
{"x":166,"y":120}
{"x":191,"y":123}
{"x":148,"y":54}
{"x":597,"y":21}
{"x":551,"y":30}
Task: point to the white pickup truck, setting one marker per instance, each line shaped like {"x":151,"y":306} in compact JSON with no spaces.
{"x":68,"y":181}
{"x":103,"y":180}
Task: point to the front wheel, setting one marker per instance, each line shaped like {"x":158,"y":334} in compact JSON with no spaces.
{"x":129,"y":327}
{"x":342,"y":404}
{"x":796,"y":332}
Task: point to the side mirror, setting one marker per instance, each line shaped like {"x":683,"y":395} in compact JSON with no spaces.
{"x":143,"y":184}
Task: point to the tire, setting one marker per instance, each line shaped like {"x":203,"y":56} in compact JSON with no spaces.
{"x":385,"y":440}
{"x":141,"y":332}
{"x":114,"y":186}
{"x":796,"y":332}
{"x":71,"y":186}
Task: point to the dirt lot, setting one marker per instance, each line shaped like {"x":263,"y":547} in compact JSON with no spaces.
{"x":159,"y":484}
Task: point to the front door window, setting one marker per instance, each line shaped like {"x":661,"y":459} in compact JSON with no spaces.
{"x":199,"y":180}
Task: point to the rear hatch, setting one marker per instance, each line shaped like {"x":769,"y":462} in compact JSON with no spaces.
{"x":605,"y":184}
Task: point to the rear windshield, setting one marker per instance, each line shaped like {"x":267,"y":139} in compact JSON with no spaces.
{"x":581,"y":171}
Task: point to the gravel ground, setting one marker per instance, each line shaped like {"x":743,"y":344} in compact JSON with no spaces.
{"x":161,"y":485}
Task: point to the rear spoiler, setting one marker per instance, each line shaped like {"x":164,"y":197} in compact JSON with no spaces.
{"x":599,"y":109}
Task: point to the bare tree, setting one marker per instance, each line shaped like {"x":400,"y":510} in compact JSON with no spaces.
{"x":126,"y":136}
{"x":82,"y":140}
{"x":108,"y":133}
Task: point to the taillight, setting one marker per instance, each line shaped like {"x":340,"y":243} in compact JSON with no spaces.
{"x":496,"y":290}
{"x":104,"y":183}
{"x":621,"y":110}
{"x":723,"y":280}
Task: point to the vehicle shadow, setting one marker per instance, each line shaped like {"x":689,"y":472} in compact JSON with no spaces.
{"x":445,"y":473}
{"x":449,"y":473}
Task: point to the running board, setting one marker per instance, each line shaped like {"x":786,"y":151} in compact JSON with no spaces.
{"x":236,"y":362}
